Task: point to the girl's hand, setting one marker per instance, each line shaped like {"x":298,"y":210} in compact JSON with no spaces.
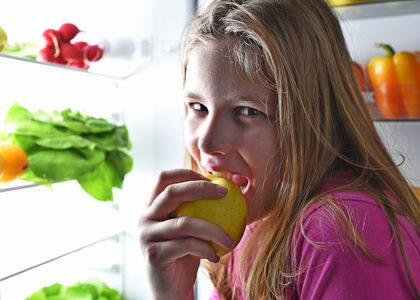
{"x":172,"y":247}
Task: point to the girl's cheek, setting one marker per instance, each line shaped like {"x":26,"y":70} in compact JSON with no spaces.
{"x":187,"y":132}
{"x":190,"y":138}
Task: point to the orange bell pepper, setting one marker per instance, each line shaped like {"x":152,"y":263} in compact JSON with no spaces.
{"x":396,"y":83}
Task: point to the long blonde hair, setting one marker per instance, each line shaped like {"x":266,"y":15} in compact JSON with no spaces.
{"x":297,"y":48}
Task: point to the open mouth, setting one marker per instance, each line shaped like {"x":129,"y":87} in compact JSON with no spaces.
{"x":241,"y":181}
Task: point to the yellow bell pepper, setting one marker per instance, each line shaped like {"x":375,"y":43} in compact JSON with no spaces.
{"x":347,"y":2}
{"x":396,"y":83}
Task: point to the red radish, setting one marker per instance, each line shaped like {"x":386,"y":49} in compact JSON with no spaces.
{"x":68,"y":31}
{"x":52,"y":37}
{"x":93,"y":53}
{"x":81,"y":44}
{"x":60,"y":50}
{"x":71,"y":52}
{"x":79,"y":65}
{"x":60,"y":60}
{"x":46,"y":54}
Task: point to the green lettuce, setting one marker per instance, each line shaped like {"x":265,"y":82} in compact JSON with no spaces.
{"x":92,"y":289}
{"x":67,"y":145}
{"x":23,"y":50}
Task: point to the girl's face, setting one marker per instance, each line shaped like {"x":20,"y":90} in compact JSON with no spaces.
{"x":228,"y":129}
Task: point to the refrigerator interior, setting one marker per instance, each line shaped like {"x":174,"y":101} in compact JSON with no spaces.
{"x":388,"y":23}
{"x":65,"y":236}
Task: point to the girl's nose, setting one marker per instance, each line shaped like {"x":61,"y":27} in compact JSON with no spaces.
{"x":216,"y":136}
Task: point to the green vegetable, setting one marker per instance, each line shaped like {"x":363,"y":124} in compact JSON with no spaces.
{"x":22,"y":50}
{"x":92,"y":289}
{"x":70,"y":145}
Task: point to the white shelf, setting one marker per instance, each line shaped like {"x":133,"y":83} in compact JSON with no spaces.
{"x":375,"y":113}
{"x":378,"y":9}
{"x":61,"y":221}
{"x":114,"y":68}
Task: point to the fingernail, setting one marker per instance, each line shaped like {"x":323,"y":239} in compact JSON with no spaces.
{"x":214,"y":260}
{"x":222,"y":190}
{"x":229,"y":241}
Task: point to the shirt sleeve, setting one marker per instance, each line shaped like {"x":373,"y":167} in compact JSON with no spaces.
{"x":332,"y":269}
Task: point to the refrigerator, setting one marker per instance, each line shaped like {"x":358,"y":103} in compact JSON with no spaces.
{"x":65,"y":236}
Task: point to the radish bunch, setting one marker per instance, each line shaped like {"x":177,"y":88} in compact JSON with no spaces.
{"x":60,"y":50}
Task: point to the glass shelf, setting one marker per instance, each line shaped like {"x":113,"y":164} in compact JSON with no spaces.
{"x":376,"y":115}
{"x":378,"y":9}
{"x":15,"y":185}
{"x":114,"y":68}
{"x":62,"y":222}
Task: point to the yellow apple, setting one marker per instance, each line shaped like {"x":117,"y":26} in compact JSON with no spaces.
{"x":229,"y":212}
{"x":3,"y":39}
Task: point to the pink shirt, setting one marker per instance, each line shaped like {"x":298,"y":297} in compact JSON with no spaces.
{"x":334,"y":271}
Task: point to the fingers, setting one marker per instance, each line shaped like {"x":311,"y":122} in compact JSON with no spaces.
{"x":176,"y":190}
{"x":189,"y":227}
{"x":170,"y":177}
{"x":179,"y":237}
{"x":172,"y":246}
{"x":164,"y":239}
{"x":171,"y":250}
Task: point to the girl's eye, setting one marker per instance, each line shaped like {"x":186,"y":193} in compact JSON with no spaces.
{"x":249,"y":111}
{"x":198,"y":107}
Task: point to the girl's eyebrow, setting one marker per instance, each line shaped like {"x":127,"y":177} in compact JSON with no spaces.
{"x":191,"y":95}
{"x":250,"y":98}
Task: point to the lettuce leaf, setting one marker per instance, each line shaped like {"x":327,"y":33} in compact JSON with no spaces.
{"x":66,"y":145}
{"x":28,"y":50}
{"x":92,"y":289}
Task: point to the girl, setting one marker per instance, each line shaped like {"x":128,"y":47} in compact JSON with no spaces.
{"x":272,"y":104}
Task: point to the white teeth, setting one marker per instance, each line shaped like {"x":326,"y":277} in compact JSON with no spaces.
{"x":221,"y":174}
{"x":243,"y":185}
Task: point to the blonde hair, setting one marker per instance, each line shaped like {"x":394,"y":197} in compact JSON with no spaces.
{"x":296,"y":47}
